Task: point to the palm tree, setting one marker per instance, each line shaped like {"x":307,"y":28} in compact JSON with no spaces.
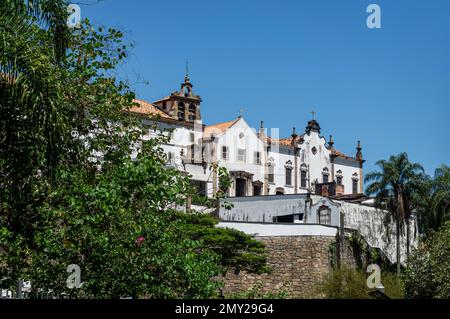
{"x":33,"y":41}
{"x":394,"y":186}
{"x":435,"y":200}
{"x":441,"y":195}
{"x":29,"y":92}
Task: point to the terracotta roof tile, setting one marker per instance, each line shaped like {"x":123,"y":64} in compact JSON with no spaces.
{"x":218,"y":128}
{"x":342,"y":155}
{"x":287,"y":142}
{"x":147,"y":109}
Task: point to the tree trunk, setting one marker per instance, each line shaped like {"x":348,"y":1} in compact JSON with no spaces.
{"x":407,"y":238}
{"x":398,"y":246}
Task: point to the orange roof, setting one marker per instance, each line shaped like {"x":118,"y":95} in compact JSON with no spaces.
{"x":218,"y":128}
{"x":147,"y":109}
{"x":340,"y":154}
{"x":287,"y":142}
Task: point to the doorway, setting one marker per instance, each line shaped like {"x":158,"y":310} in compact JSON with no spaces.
{"x":240,"y":187}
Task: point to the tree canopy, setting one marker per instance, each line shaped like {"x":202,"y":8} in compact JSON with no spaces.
{"x":79,"y":183}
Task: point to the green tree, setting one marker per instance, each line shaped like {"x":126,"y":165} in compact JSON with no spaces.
{"x":235,"y":249}
{"x":93,"y":204}
{"x":394,"y":185}
{"x":346,"y":283}
{"x":32,"y":127}
{"x":433,"y":201}
{"x":428,"y":268}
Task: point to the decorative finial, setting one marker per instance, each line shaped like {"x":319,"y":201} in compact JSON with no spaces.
{"x":313,"y":114}
{"x":261,"y":124}
{"x":294,"y":136}
{"x":186,"y":76}
{"x":331,"y":142}
{"x":359,"y":156}
{"x":241,"y":112}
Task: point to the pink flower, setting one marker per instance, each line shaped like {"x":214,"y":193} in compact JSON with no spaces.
{"x":139,"y":240}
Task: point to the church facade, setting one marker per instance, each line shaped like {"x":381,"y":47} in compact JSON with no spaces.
{"x":258,"y":160}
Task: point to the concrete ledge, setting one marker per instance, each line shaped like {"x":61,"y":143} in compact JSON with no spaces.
{"x":267,"y":230}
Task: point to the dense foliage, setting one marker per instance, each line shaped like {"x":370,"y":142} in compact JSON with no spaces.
{"x":433,"y":201}
{"x":428,"y":269}
{"x":79,"y":183}
{"x":346,"y":283}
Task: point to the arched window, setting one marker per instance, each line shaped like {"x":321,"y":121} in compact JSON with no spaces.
{"x":181,"y":111}
{"x":192,"y":111}
{"x":187,"y":91}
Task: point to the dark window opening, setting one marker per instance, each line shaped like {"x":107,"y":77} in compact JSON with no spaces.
{"x":270,"y":175}
{"x":181,"y":111}
{"x":200,"y":187}
{"x":303,"y":179}
{"x":355,"y":186}
{"x":192,"y":111}
{"x":224,"y":152}
{"x":258,"y":158}
{"x":256,"y":190}
{"x":288,"y":176}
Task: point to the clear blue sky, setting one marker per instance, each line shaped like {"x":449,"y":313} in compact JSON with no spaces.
{"x":278,"y":60}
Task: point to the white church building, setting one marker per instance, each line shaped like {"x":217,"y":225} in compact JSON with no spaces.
{"x":258,"y":160}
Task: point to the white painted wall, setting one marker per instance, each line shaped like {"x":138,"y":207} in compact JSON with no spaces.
{"x":267,"y":230}
{"x":241,"y":136}
{"x":371,"y":223}
{"x":348,"y":168}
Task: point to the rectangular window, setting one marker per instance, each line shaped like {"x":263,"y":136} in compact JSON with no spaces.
{"x":355,"y":186}
{"x":325,"y":217}
{"x":303,"y":179}
{"x":325,"y":178}
{"x":224,"y":153}
{"x":270,"y":176}
{"x":288,"y":176}
{"x":339,"y":180}
{"x":257,"y":158}
{"x":241,"y":155}
{"x":192,"y":137}
{"x":192,"y":152}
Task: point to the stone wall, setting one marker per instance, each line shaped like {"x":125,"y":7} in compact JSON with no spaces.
{"x":298,"y":264}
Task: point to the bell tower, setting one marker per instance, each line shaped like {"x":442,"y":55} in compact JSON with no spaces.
{"x":182,"y":105}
